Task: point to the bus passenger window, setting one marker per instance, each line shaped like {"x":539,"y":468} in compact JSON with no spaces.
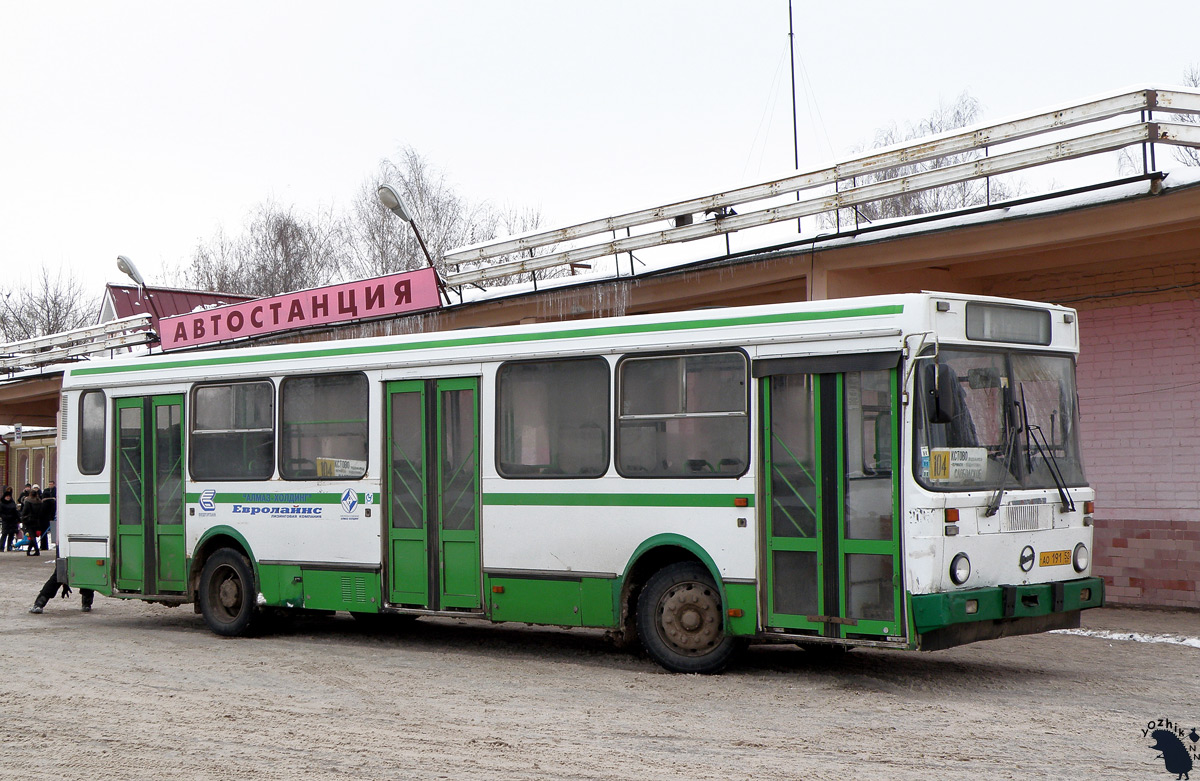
{"x":552,"y":419}
{"x":233,"y":431}
{"x":91,"y":433}
{"x":323,"y":427}
{"x":684,"y":416}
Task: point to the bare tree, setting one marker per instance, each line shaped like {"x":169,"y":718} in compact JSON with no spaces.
{"x":963,"y":111}
{"x":49,"y":304}
{"x":1185,"y":154}
{"x":378,"y":243}
{"x":285,"y":251}
{"x":280,"y":251}
{"x":513,"y":221}
{"x":1131,"y":160}
{"x":214,"y":266}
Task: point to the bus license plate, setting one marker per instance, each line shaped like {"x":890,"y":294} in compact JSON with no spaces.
{"x":1054,"y":558}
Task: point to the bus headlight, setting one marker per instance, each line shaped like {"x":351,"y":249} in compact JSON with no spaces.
{"x":960,"y":569}
{"x":1079,"y":559}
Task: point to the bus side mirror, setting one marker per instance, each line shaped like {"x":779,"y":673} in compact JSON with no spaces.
{"x":940,"y":393}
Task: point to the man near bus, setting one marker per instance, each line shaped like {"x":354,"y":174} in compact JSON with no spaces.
{"x":86,"y":595}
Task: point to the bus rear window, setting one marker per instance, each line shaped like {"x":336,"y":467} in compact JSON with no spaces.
{"x":91,"y":433}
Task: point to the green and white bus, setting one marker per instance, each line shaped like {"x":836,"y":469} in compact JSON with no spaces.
{"x":895,"y":471}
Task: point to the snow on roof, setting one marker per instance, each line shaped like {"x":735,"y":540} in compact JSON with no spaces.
{"x":129,"y":300}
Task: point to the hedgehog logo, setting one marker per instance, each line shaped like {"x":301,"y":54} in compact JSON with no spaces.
{"x":1174,"y":754}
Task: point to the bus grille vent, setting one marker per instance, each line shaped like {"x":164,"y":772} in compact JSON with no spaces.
{"x":62,"y":422}
{"x":354,"y":588}
{"x":1025,"y":518}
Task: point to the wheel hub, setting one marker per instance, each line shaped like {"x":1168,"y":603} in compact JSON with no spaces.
{"x":691,"y":618}
{"x":230,"y":593}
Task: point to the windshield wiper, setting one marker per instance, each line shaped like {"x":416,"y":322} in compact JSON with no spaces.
{"x":1047,"y":455}
{"x":1010,"y":449}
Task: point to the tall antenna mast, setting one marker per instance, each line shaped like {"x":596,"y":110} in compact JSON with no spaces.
{"x":795,"y":133}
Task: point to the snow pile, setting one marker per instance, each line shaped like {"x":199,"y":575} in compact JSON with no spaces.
{"x":1137,"y":637}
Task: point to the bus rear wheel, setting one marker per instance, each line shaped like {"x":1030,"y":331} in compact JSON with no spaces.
{"x":227,"y":593}
{"x":680,"y":620}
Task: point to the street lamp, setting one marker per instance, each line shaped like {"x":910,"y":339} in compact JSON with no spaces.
{"x":391,"y":199}
{"x":126,"y":267}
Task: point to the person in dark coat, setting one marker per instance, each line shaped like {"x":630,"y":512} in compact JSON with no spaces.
{"x":49,"y":513}
{"x":10,"y":517}
{"x":31,"y":519}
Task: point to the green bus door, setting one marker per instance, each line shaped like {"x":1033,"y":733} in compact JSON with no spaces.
{"x":432,"y":518}
{"x":832,"y":553}
{"x":149,"y":495}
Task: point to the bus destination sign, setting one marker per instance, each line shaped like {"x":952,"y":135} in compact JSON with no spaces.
{"x":395,"y":294}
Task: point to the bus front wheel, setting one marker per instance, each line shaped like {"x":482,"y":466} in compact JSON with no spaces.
{"x":680,"y":620}
{"x":227,"y":593}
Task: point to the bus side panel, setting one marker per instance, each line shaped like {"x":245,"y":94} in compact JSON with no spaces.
{"x":84,"y":571}
{"x":597,"y":535}
{"x":307,"y":522}
{"x":282,"y":585}
{"x":83,"y":533}
{"x":603,"y":539}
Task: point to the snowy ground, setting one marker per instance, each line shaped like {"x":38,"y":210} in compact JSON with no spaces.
{"x":145,"y":691}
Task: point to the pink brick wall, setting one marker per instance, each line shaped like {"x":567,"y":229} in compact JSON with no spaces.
{"x":1139,"y":396}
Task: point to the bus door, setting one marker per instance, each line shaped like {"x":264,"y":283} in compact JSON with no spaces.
{"x":432,"y":517}
{"x":830,"y":435}
{"x":148,"y":505}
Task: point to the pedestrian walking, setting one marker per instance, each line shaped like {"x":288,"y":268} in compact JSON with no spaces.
{"x":31,"y":519}
{"x":49,"y":513}
{"x":51,"y":492}
{"x":10,"y":517}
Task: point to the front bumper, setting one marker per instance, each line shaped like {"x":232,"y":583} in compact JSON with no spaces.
{"x":943,"y":621}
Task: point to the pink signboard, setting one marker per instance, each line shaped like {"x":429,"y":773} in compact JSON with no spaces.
{"x":411,"y":291}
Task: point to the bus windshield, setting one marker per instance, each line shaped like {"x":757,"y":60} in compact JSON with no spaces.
{"x":1015,"y":423}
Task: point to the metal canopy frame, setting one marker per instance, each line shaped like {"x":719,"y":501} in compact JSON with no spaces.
{"x":979,"y":139}
{"x":125,"y":332}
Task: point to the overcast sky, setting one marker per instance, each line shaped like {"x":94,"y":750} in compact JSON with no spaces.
{"x":140,"y":128}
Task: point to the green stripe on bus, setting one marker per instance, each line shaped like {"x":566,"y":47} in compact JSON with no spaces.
{"x":511,"y":338}
{"x":286,"y":497}
{"x":615,"y":500}
{"x":87,"y":498}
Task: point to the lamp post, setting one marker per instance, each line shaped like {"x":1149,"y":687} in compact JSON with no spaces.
{"x":390,"y":198}
{"x":126,"y":267}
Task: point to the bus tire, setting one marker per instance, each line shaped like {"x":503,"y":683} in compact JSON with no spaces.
{"x":680,"y":620}
{"x":227,"y":594}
